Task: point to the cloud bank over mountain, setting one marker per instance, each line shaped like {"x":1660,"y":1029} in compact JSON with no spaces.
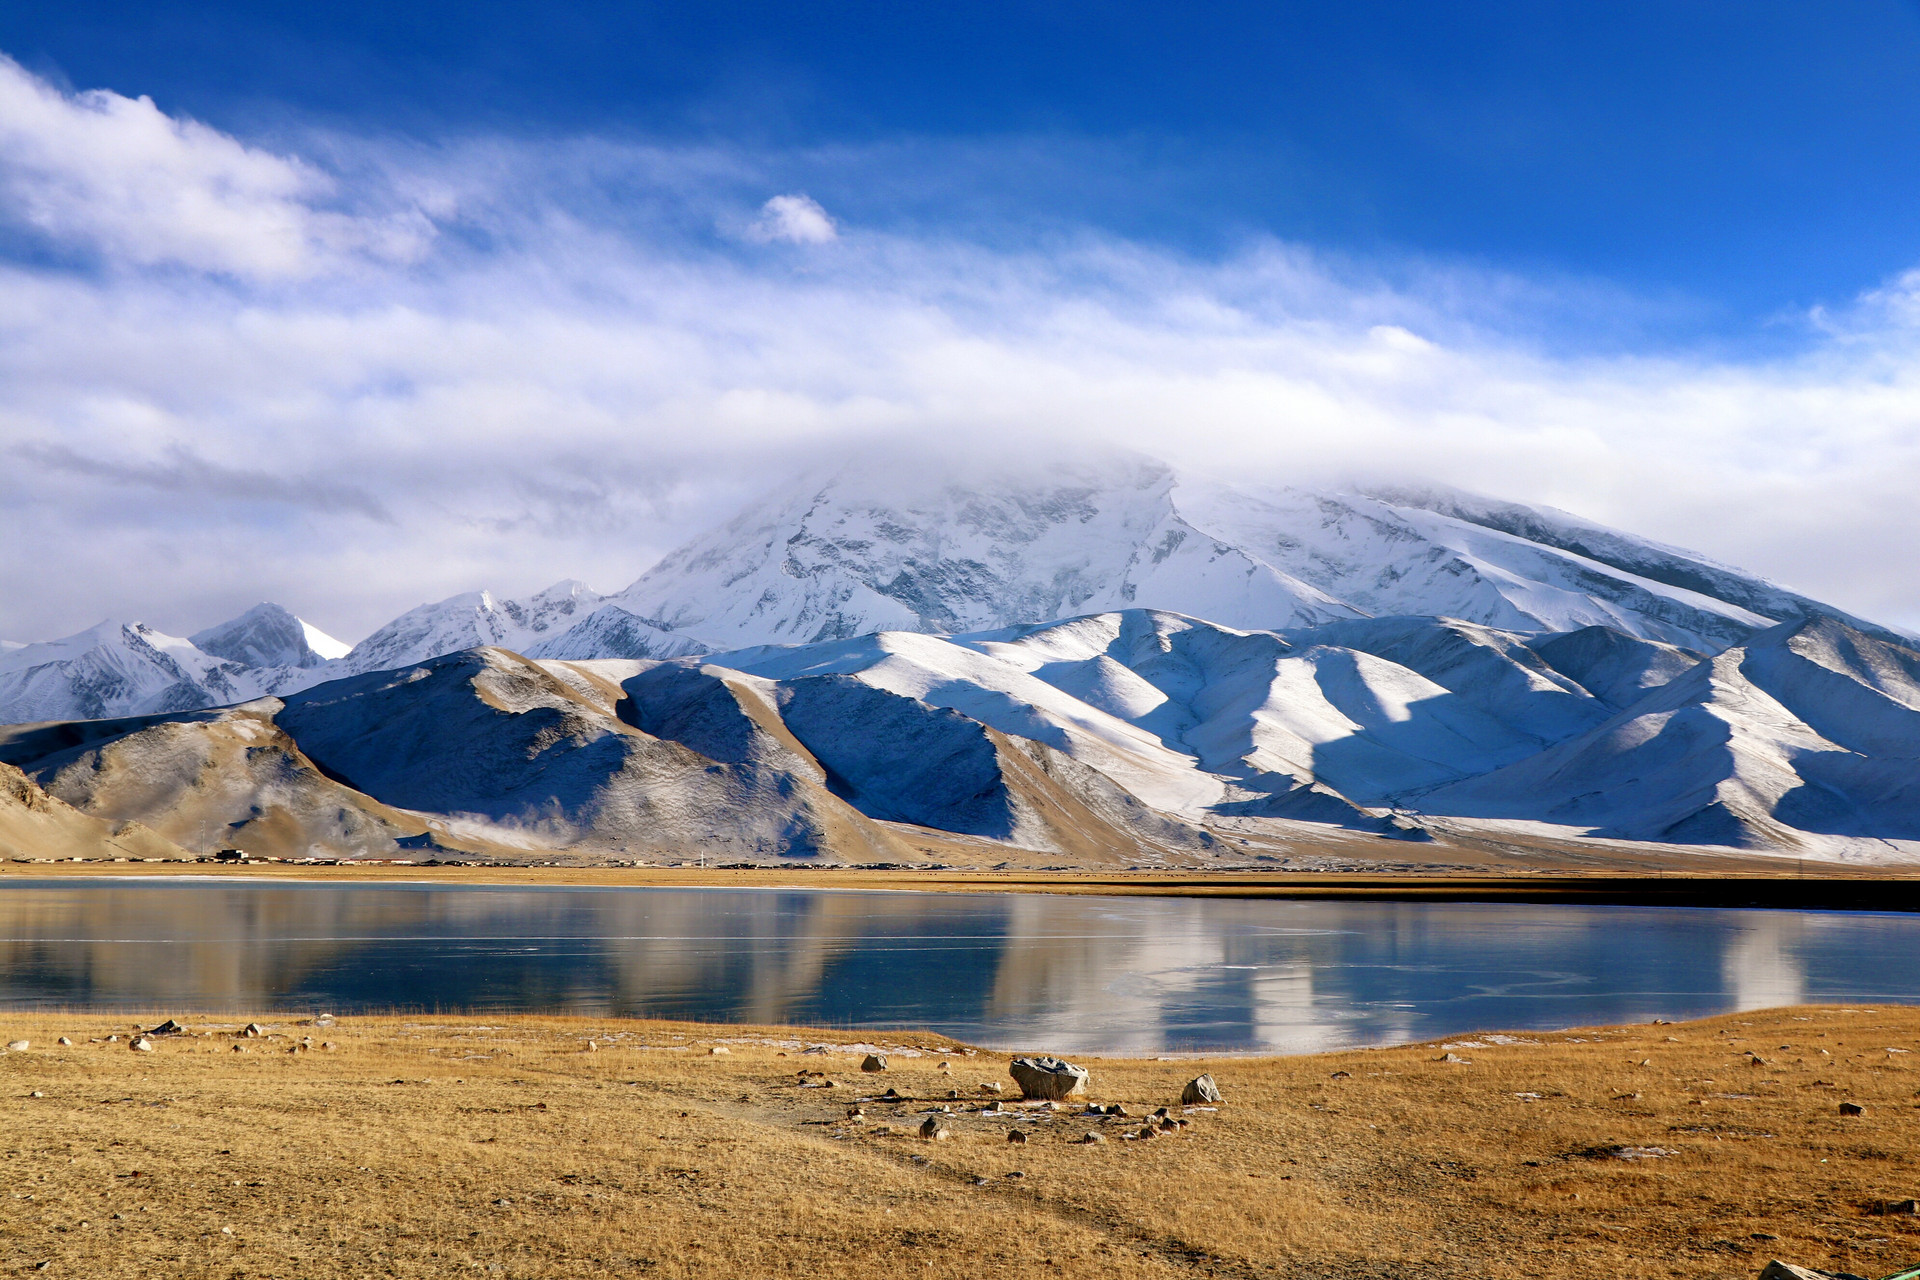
{"x":352,"y":372}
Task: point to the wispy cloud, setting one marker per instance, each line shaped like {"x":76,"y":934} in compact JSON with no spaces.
{"x":557,"y":367}
{"x":194,"y":478}
{"x":101,"y":172}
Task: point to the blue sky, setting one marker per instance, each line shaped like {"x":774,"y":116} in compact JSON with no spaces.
{"x":1726,"y":160}
{"x":356,"y":306}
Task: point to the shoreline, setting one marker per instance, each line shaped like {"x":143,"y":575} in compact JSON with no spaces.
{"x":1840,"y":889}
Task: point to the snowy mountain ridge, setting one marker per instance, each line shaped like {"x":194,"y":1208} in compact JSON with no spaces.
{"x":1377,"y":659}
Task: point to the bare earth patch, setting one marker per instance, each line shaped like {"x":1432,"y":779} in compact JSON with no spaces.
{"x":536,"y":1147}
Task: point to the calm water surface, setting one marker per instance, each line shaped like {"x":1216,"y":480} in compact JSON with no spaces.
{"x":1073,"y":974}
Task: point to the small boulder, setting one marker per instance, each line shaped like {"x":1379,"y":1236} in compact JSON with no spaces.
{"x":141,"y":1045}
{"x":1014,"y":1135}
{"x":239,"y":1048}
{"x":1148,"y":1131}
{"x":1852,"y":1109}
{"x":718,"y":1051}
{"x":65,"y":1042}
{"x":253,"y":1029}
{"x":1896,"y":1208}
{"x":168,"y":1028}
{"x":1778,"y":1270}
{"x":874,"y":1062}
{"x":1050,"y":1079}
{"x":19,"y":1046}
{"x":992,"y":1086}
{"x":1090,"y":1138}
{"x":934,"y":1129}
{"x":855,"y":1113}
{"x":1200,"y":1089}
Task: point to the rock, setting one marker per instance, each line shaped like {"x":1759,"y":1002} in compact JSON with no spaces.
{"x":1116,"y":1109}
{"x":19,"y":1046}
{"x":65,"y":1043}
{"x":592,"y":1047}
{"x":1778,"y":1270}
{"x":992,"y":1086}
{"x":1896,"y":1208}
{"x":813,"y":1049}
{"x":1047,"y":1078}
{"x":36,"y":1094}
{"x":874,"y":1062}
{"x":1341,"y":1075}
{"x":1090,"y":1138}
{"x":239,"y":1048}
{"x":855,"y":1113}
{"x":944,"y":1067}
{"x":934,"y":1129}
{"x":718,"y":1051}
{"x":1852,"y":1109}
{"x":1454,"y":1057}
{"x":953,"y":1093}
{"x":168,"y":1028}
{"x":141,"y":1045}
{"x":1148,"y":1131}
{"x":253,"y":1029}
{"x":328,"y":1045}
{"x":1199,"y":1089}
{"x":891,"y":1095}
{"x":1014,"y":1135}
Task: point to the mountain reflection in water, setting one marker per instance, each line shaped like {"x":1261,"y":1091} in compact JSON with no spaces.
{"x":1074,"y":974}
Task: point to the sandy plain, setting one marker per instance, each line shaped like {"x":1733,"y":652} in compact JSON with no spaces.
{"x":549,"y":1147}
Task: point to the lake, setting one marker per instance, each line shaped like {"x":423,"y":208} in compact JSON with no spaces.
{"x":1034,"y":971}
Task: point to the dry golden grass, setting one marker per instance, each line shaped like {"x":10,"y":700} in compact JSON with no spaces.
{"x":463,"y":1146}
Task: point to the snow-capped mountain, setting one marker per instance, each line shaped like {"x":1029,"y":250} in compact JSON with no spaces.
{"x":1135,"y":734}
{"x":121,"y":669}
{"x":872,"y":548}
{"x":469,"y":621}
{"x":269,"y":636}
{"x":1109,"y":647}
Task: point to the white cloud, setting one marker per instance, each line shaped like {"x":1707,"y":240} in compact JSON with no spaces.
{"x":118,"y":177}
{"x":795,"y":219}
{"x":599,"y":381}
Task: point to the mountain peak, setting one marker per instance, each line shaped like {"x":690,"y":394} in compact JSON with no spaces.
{"x":268,"y":635}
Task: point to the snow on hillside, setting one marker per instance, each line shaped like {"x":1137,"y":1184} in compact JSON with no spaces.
{"x":269,"y":636}
{"x":875,"y":547}
{"x":871,"y":549}
{"x":120,"y":669}
{"x":1807,"y":738}
{"x":470,"y":621}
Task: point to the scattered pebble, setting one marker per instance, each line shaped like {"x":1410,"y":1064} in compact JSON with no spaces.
{"x":19,"y":1046}
{"x":1852,"y":1109}
{"x":718,"y":1051}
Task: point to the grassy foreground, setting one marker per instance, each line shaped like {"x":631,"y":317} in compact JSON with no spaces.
{"x":511,"y":1148}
